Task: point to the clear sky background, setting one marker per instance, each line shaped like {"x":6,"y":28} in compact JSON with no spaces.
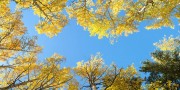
{"x":75,"y":44}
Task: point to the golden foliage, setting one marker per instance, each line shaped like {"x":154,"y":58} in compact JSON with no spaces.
{"x":94,"y":66}
{"x":105,"y":19}
{"x":157,"y":85}
{"x":168,"y":44}
{"x":125,"y":79}
{"x":50,"y":12}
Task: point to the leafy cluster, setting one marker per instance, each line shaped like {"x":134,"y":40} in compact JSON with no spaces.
{"x":165,"y":69}
{"x":105,"y":18}
{"x":21,"y":69}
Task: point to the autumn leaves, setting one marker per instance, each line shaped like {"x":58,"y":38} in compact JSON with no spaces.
{"x":103,"y":18}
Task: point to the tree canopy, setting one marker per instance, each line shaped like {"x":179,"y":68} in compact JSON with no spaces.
{"x":165,"y":67}
{"x":105,"y":18}
{"x":21,"y":69}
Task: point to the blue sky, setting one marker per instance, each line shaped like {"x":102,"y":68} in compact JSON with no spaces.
{"x":75,"y":44}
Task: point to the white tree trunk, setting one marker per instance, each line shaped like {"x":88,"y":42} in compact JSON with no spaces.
{"x":94,"y":87}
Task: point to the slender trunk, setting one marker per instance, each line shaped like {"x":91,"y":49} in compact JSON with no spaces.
{"x":93,"y":87}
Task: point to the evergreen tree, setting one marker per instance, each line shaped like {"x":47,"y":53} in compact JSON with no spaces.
{"x":166,"y":64}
